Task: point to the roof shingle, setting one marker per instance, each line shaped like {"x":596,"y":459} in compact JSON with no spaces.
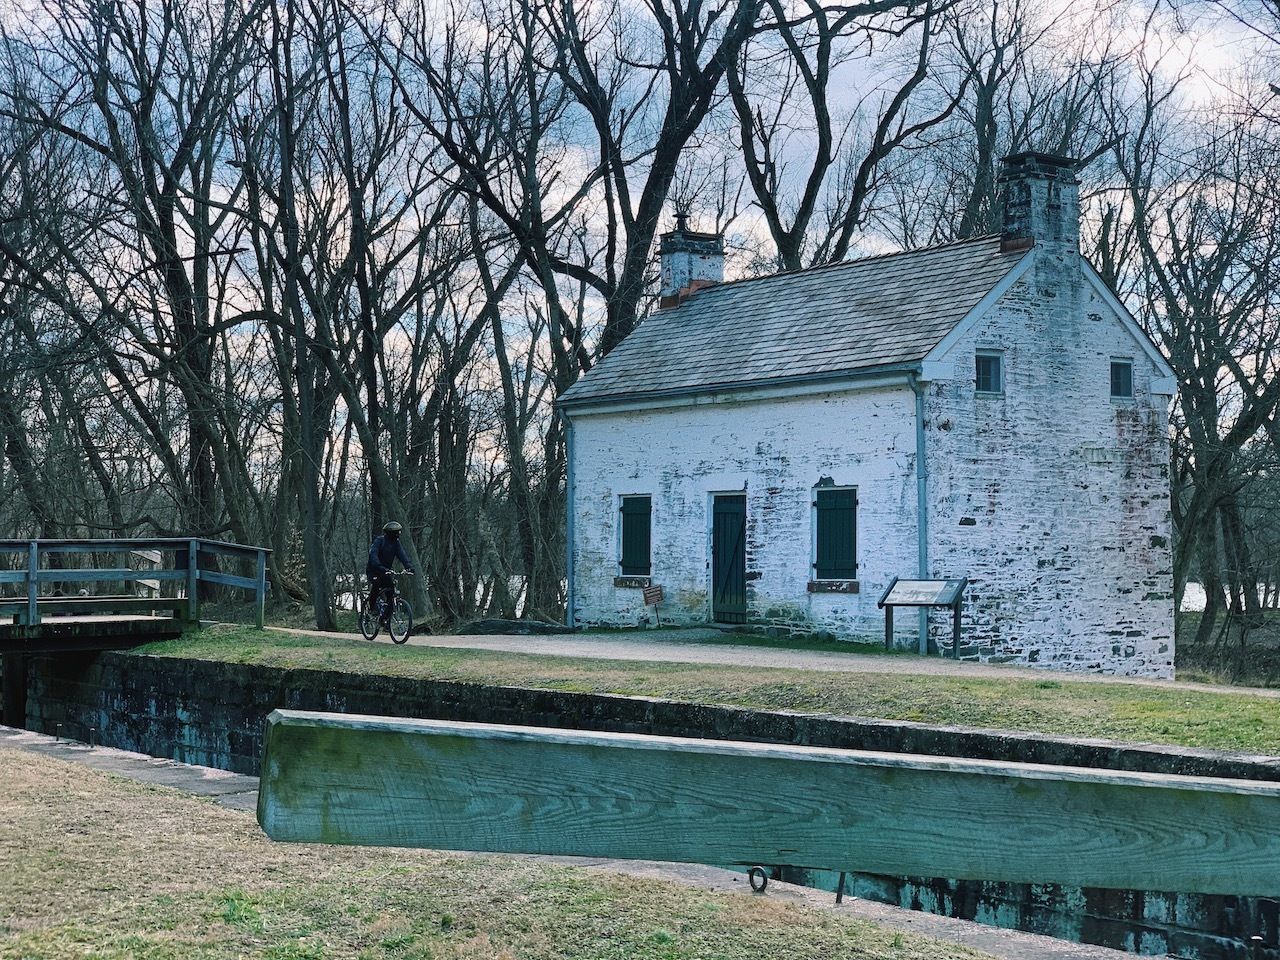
{"x":846,"y":317}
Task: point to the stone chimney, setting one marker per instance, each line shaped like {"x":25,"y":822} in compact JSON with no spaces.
{"x":1041,"y":203}
{"x":690,"y":261}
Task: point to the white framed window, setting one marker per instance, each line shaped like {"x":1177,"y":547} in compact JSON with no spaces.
{"x":988,"y":372}
{"x":1121,"y":378}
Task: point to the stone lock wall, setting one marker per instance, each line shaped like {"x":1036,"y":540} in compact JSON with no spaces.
{"x":1146,"y":923}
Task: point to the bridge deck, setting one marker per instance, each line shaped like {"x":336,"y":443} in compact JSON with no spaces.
{"x":88,"y":632}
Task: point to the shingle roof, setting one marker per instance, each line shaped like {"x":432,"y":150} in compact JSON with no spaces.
{"x":846,"y":317}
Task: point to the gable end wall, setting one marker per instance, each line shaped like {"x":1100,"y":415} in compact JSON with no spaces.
{"x":1053,"y":498}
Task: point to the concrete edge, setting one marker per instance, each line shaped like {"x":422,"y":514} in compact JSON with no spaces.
{"x":853,"y":732}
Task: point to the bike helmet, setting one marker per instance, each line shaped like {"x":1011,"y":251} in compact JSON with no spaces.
{"x":392,"y":529}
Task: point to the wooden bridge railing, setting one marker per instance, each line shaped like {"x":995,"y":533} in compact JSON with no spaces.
{"x":185,"y":571}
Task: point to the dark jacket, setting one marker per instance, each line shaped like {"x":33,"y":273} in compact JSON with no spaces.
{"x":384,"y":553}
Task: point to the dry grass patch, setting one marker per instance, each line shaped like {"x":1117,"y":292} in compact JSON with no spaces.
{"x":95,"y":866}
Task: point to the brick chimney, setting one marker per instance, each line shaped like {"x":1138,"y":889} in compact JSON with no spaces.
{"x":1040,"y":202}
{"x":690,"y":261}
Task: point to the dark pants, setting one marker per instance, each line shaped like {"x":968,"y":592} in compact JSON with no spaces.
{"x":379,"y":582}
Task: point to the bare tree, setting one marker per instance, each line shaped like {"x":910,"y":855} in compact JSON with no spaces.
{"x":814,"y":215}
{"x":1193,"y":237}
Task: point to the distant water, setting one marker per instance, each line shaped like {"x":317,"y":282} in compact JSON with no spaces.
{"x":1193,"y":598}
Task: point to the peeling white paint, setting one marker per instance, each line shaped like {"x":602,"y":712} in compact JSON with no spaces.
{"x":1052,"y":498}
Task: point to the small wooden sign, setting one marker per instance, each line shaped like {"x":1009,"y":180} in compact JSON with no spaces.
{"x":653,"y":597}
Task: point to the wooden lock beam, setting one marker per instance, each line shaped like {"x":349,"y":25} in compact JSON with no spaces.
{"x":344,"y":779}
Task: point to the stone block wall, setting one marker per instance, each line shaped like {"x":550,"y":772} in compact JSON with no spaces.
{"x":775,"y":451}
{"x":1146,"y":923}
{"x":212,"y":713}
{"x":1053,"y":498}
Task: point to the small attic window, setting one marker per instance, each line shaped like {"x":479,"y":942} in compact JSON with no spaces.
{"x":1121,"y":379}
{"x":989,"y":372}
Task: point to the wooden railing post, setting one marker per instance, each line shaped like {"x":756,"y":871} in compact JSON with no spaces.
{"x":193,"y":580}
{"x":33,"y":591}
{"x":260,"y":595}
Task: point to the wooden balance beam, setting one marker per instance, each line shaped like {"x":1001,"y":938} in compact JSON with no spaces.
{"x":344,"y":779}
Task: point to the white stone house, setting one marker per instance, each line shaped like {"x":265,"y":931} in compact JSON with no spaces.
{"x":775,"y":451}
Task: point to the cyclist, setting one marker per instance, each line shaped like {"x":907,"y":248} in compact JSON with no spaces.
{"x":386,"y":550}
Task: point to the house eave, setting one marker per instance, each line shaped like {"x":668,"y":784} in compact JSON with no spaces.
{"x":886,"y":375}
{"x":982,"y":307}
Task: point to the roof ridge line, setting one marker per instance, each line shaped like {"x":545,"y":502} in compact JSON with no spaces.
{"x":845,"y":263}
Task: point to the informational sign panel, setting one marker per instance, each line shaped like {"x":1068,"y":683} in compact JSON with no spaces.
{"x":653,"y":597}
{"x":923,"y":593}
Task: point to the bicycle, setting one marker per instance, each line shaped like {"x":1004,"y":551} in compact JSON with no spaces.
{"x":391,"y":610}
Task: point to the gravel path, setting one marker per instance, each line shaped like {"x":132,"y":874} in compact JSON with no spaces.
{"x":692,"y":646}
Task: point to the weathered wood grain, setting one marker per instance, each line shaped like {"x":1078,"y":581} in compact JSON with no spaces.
{"x":105,"y":605}
{"x":228,"y":579}
{"x":333,"y":778}
{"x":130,"y":545}
{"x":33,"y":577}
{"x":72,"y":575}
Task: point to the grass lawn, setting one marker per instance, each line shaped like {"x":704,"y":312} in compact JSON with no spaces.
{"x":294,"y":616}
{"x":96,"y":866}
{"x":1119,"y":711}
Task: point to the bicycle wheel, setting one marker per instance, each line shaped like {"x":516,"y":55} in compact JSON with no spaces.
{"x":401,"y":624}
{"x":368,"y":621}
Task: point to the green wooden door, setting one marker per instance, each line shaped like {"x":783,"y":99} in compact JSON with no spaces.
{"x":729,"y":558}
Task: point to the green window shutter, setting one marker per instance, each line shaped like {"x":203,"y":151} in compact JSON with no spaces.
{"x":837,"y":534}
{"x":636,"y":516}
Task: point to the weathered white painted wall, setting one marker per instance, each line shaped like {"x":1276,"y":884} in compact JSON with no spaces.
{"x":776,"y":451}
{"x":1053,"y":498}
